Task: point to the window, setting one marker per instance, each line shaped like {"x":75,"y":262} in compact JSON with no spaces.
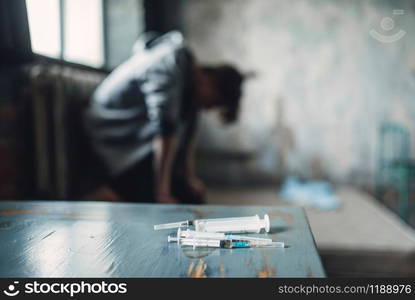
{"x":94,"y":32}
{"x":44,"y":26}
{"x":83,"y":32}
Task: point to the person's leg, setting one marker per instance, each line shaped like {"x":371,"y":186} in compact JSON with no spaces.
{"x":184,"y":193}
{"x":137,"y":183}
{"x":102,"y":193}
{"x":94,"y":181}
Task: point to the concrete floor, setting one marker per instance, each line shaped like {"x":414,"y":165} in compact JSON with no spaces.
{"x":361,"y":238}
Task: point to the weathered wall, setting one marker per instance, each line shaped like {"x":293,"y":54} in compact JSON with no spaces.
{"x":323,"y":85}
{"x":125,"y":22}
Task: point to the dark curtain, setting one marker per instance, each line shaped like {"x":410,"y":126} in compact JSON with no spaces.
{"x":15,"y":45}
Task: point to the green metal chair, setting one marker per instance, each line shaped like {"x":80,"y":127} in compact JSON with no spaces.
{"x":395,"y":167}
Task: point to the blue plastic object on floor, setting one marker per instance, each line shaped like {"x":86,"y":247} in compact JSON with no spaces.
{"x":317,"y":193}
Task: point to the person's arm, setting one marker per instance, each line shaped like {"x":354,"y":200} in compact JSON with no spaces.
{"x":189,"y":163}
{"x":163,"y":90}
{"x":185,"y":163}
{"x":195,"y":183}
{"x":164,"y":154}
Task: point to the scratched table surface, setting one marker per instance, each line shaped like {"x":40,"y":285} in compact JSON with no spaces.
{"x":91,"y":239}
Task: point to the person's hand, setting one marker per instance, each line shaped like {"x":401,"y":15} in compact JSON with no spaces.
{"x":166,"y":199}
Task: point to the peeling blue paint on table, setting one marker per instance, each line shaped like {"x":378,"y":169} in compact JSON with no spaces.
{"x":91,"y":239}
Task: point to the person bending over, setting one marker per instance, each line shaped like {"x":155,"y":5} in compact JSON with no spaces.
{"x":142,"y":119}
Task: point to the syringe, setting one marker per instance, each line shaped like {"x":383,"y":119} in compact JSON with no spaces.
{"x":173,"y":225}
{"x":227,"y":244}
{"x":218,"y":236}
{"x":251,"y":224}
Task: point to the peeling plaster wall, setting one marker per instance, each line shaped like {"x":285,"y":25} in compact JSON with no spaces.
{"x":125,"y":22}
{"x":323,"y":86}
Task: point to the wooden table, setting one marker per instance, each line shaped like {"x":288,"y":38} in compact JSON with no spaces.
{"x":90,"y":239}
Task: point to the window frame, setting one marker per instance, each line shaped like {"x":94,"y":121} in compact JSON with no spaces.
{"x":105,"y":68}
{"x":159,"y":16}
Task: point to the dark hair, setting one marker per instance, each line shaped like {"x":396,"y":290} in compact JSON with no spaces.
{"x":229,"y":83}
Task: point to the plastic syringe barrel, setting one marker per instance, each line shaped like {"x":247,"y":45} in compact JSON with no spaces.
{"x":200,"y":234}
{"x":219,"y":236}
{"x":251,"y":224}
{"x":225,"y":243}
{"x":199,"y":242}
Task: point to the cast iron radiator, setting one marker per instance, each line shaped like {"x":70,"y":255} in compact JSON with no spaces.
{"x":59,"y":95}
